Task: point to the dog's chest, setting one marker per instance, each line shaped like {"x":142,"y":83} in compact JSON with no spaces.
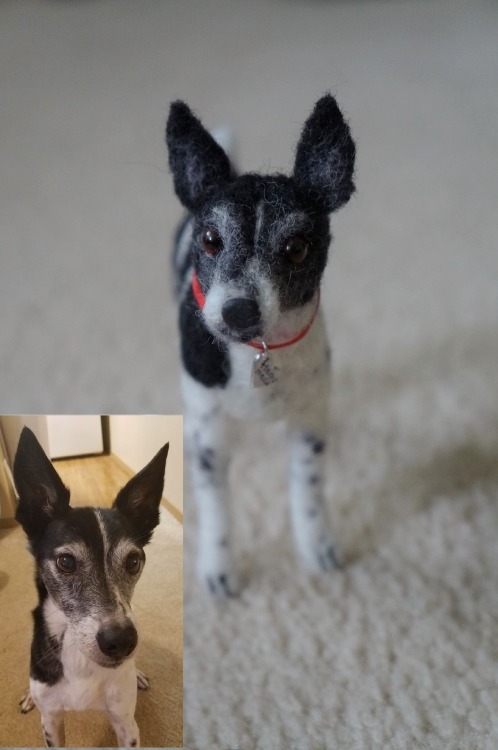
{"x":287,"y":382}
{"x":86,"y":685}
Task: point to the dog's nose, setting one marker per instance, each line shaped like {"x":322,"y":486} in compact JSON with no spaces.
{"x":117,"y":641}
{"x":241,"y":313}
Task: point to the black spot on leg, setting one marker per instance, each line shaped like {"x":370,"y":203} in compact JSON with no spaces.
{"x":316,"y":445}
{"x":133,"y":743}
{"x":313,"y":480}
{"x":206,"y":459}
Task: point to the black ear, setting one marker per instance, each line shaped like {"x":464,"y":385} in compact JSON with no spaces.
{"x":325,"y":157}
{"x":42,"y":494}
{"x":140,"y":497}
{"x":199,"y":165}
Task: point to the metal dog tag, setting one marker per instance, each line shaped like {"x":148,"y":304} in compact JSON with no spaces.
{"x":264,"y":371}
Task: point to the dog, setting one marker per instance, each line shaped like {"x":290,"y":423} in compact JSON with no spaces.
{"x":248,"y":262}
{"x":87,"y":562}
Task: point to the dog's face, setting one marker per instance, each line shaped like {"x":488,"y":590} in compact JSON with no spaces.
{"x":88,"y":560}
{"x":260,"y":244}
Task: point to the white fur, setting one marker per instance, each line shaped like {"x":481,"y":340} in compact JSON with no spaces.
{"x":300,"y":397}
{"x":85,"y":685}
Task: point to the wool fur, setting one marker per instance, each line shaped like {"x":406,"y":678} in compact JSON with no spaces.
{"x":257,"y":246}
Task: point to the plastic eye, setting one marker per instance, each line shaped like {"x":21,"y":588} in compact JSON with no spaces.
{"x":296,"y":249}
{"x":66,"y":563}
{"x":132,"y":563}
{"x":210,"y":241}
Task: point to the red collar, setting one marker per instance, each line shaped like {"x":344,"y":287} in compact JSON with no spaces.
{"x":200,"y":298}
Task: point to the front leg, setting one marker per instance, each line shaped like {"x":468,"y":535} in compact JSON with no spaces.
{"x":52,"y":721}
{"x":209,"y":478}
{"x":126,"y":728}
{"x":206,"y":428}
{"x":53,"y":728}
{"x":121,"y":701}
{"x":309,"y":517}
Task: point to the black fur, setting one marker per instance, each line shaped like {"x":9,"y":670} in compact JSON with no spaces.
{"x":325,"y":157}
{"x":322,"y":181}
{"x":45,"y":650}
{"x":199,"y":165}
{"x":43,"y":494}
{"x":139,"y":499}
{"x":203,"y":357}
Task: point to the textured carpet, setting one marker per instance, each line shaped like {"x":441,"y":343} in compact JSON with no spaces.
{"x":400,"y":650}
{"x":157,"y":605}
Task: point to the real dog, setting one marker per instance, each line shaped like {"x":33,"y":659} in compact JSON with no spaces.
{"x":249,"y":259}
{"x":87,"y":562}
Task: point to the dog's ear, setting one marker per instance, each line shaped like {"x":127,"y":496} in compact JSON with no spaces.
{"x":325,"y":156}
{"x":140,"y":497}
{"x":42,"y":494}
{"x":199,"y":165}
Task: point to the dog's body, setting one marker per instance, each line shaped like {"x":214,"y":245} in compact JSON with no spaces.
{"x":87,"y":562}
{"x":248,"y":261}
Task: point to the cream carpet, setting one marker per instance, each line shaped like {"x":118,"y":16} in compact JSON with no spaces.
{"x":157,"y":605}
{"x":401,"y":649}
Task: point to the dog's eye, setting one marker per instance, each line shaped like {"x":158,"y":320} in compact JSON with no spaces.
{"x":210,"y":241}
{"x":66,"y":563}
{"x":132,"y":563}
{"x":296,"y":249}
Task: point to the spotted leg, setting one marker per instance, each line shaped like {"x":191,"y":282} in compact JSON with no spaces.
{"x":307,"y":503}
{"x":206,"y":430}
{"x":53,"y":728}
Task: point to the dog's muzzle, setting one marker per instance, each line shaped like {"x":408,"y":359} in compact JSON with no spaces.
{"x":117,"y":641}
{"x":241,"y":314}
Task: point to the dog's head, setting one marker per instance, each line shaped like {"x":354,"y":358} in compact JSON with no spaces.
{"x":260,"y":242}
{"x":88,"y":560}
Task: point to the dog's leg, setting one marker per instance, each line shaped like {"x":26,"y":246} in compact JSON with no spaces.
{"x":307,"y":503}
{"x":206,"y":428}
{"x":53,"y":728}
{"x":126,"y":729}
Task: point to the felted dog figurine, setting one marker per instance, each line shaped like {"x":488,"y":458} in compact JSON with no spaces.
{"x":87,"y":562}
{"x":249,"y":260}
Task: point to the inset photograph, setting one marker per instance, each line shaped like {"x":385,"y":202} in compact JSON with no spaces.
{"x":91,"y":540}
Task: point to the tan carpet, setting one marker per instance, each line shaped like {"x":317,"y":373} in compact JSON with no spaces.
{"x":158,"y":606}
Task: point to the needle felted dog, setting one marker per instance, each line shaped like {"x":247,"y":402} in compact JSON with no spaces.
{"x":87,"y":562}
{"x":249,"y":260}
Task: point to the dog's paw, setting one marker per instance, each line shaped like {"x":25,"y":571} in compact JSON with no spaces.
{"x":322,"y":557}
{"x":142,"y":680}
{"x":328,"y":557}
{"x":216,"y":568}
{"x":223,"y":585}
{"x":26,"y":703}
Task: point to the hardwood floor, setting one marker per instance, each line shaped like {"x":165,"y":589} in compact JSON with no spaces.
{"x":96,"y":480}
{"x":93,"y":480}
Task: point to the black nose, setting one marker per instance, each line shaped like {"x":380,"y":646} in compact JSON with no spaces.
{"x":241,"y":313}
{"x":117,"y":641}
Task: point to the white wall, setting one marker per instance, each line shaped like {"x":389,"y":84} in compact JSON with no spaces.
{"x":136,"y":439}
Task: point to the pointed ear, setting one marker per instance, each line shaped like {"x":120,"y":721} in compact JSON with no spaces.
{"x":42,"y":494}
{"x":325,"y":154}
{"x":140,"y":497}
{"x":199,"y":165}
